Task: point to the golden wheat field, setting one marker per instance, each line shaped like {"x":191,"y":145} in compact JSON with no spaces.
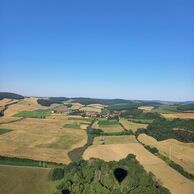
{"x":179,"y":115}
{"x":42,"y":139}
{"x":181,"y":153}
{"x":150,"y":162}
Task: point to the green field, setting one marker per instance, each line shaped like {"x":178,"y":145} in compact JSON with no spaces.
{"x":143,"y":121}
{"x":33,"y":114}
{"x":25,"y":162}
{"x":25,"y":180}
{"x":166,"y":109}
{"x":103,"y":122}
{"x":2,"y":131}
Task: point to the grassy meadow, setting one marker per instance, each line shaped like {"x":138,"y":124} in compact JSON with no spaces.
{"x":25,"y":180}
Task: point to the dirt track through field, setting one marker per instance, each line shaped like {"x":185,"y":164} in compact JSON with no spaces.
{"x":167,"y":176}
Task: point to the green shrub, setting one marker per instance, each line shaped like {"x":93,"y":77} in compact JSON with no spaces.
{"x":57,"y":174}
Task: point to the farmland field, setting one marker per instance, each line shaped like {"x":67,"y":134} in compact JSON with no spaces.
{"x":108,"y":125}
{"x":129,"y":125}
{"x":42,"y":139}
{"x":33,"y":114}
{"x":2,"y":131}
{"x":76,"y":106}
{"x":25,"y":180}
{"x":181,"y":153}
{"x":115,"y":139}
{"x":23,"y":105}
{"x":146,"y":108}
{"x":151,"y":163}
{"x":179,"y":115}
{"x":93,"y":108}
{"x":32,"y":131}
{"x":165,"y":109}
{"x":6,"y":101}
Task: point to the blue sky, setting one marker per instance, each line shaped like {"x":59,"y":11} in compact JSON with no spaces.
{"x":133,"y":49}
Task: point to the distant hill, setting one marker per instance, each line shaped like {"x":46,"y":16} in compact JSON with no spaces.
{"x":10,"y":95}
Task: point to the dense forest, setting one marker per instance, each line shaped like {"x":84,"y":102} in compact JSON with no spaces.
{"x":161,"y":129}
{"x":97,"y":176}
{"x":51,"y":100}
{"x":10,"y":95}
{"x":186,"y":107}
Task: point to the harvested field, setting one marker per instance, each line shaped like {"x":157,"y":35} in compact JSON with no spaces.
{"x":129,"y":125}
{"x":93,"y":108}
{"x":146,"y":108}
{"x":5,"y":119}
{"x":115,"y":139}
{"x":3,"y":130}
{"x":181,"y":153}
{"x":6,"y":101}
{"x":23,"y":105}
{"x":179,"y":115}
{"x":41,"y":139}
{"x":25,"y":180}
{"x":76,"y":106}
{"x":167,"y":176}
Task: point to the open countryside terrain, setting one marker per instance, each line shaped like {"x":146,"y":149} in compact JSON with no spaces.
{"x":49,"y":129}
{"x":129,"y":125}
{"x":25,"y":180}
{"x":181,"y":153}
{"x":108,"y":125}
{"x":179,"y":115}
{"x":151,"y":163}
{"x":41,"y":139}
{"x":23,"y":105}
{"x":114,"y":139}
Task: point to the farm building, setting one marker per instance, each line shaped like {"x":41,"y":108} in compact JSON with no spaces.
{"x":90,"y":114}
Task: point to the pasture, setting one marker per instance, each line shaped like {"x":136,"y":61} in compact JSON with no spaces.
{"x":129,"y":125}
{"x":181,"y":153}
{"x":167,"y":176}
{"x":25,"y":180}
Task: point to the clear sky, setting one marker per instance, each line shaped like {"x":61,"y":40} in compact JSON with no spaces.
{"x":133,"y":49}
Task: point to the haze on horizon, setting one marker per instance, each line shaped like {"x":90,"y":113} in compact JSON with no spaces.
{"x":101,"y":49}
